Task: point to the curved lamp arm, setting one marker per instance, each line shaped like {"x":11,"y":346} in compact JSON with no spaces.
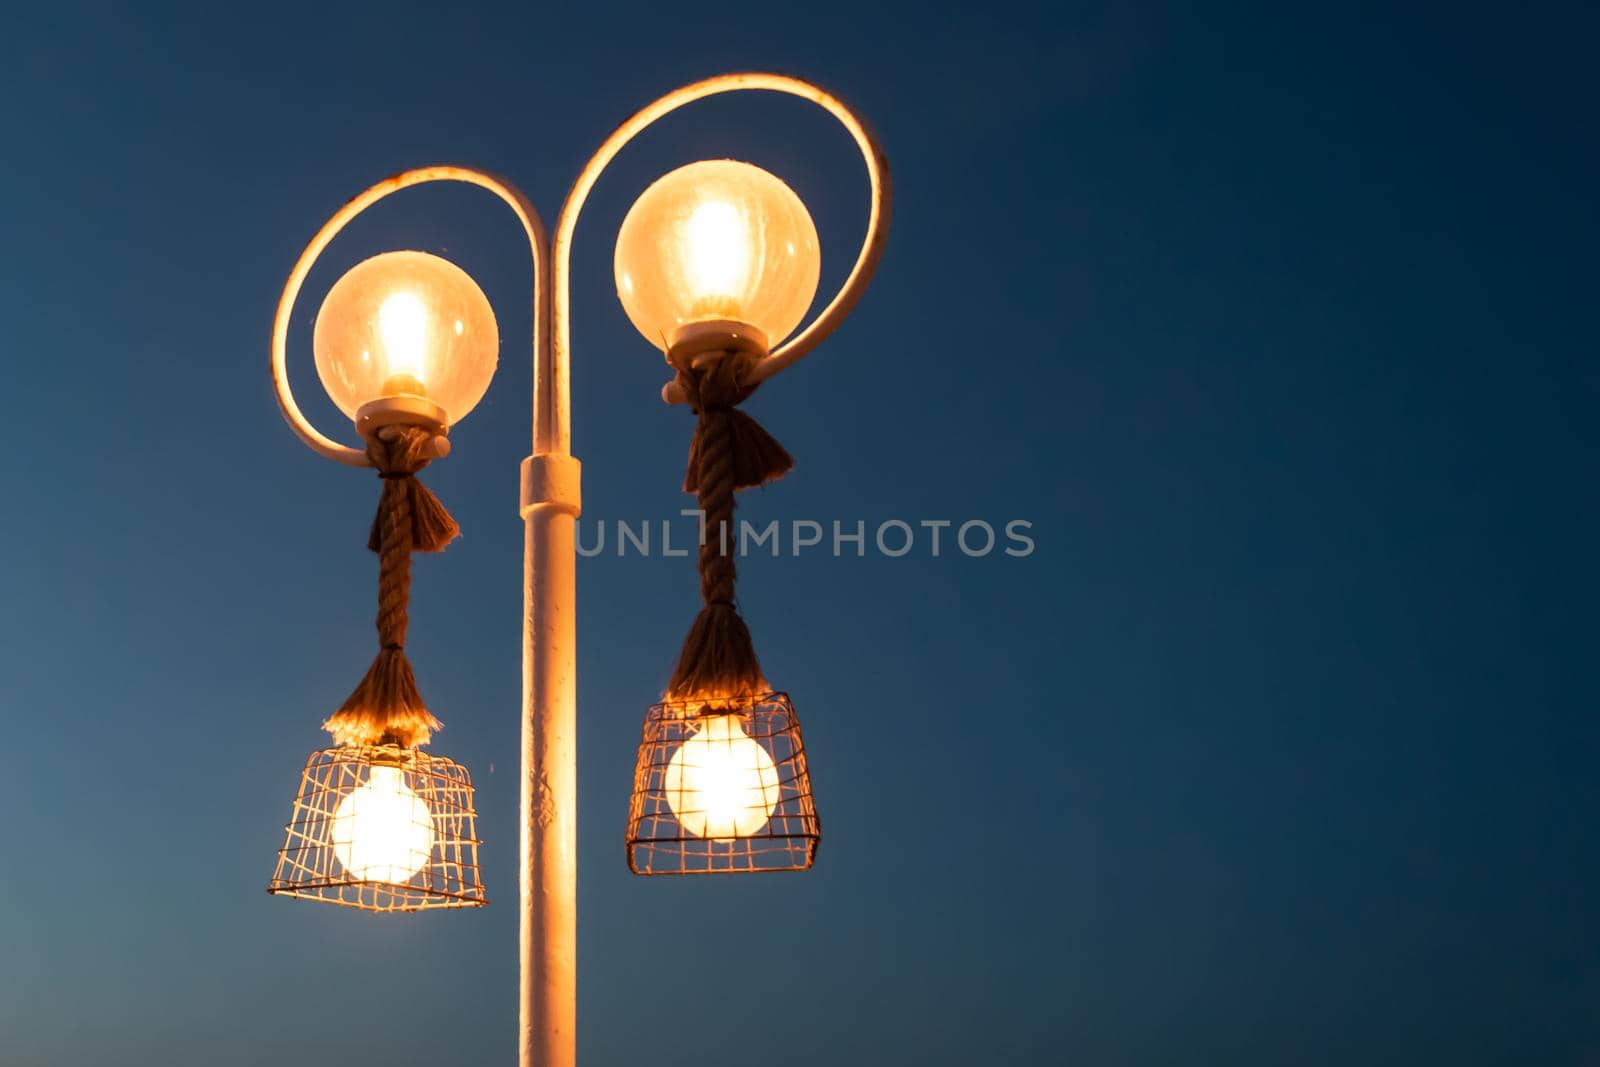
{"x":552,"y":407}
{"x":319,"y":442}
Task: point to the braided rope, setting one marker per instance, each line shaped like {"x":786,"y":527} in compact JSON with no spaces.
{"x":718,"y":572}
{"x":394,"y":563}
{"x":386,"y":707}
{"x":730,"y":451}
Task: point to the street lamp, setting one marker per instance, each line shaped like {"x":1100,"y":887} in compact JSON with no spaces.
{"x":716,"y":264}
{"x":406,"y":344}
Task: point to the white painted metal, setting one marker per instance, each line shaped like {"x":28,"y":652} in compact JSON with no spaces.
{"x":548,"y":936}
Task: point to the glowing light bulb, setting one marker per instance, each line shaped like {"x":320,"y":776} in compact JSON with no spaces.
{"x":382,"y":831}
{"x":717,"y":247}
{"x":403,"y":325}
{"x":406,"y":324}
{"x":717,"y":240}
{"x":720,"y":783}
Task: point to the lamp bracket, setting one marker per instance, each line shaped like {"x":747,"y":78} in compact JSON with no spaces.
{"x":405,"y":411}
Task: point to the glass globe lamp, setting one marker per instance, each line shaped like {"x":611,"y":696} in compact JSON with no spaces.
{"x":717,"y":244}
{"x":406,"y":337}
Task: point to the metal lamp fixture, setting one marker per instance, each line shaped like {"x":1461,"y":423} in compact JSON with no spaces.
{"x":716,"y":264}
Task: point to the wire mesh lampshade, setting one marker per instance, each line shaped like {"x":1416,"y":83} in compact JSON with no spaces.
{"x":722,"y":787}
{"x":382,"y":828}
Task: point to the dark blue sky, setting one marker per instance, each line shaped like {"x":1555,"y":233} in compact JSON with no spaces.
{"x":1277,"y":325}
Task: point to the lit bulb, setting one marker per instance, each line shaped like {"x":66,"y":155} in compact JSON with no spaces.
{"x":403,"y":325}
{"x":406,"y":324}
{"x":382,"y":831}
{"x":717,"y":240}
{"x":717,"y":246}
{"x":720,"y":783}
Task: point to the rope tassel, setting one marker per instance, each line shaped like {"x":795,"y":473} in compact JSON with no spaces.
{"x":718,"y":658}
{"x":432,"y":527}
{"x":386,"y":707}
{"x":756,"y":455}
{"x":730,"y":451}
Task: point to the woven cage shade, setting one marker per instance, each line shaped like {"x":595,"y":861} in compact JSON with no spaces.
{"x":722,"y":788}
{"x":382,"y":828}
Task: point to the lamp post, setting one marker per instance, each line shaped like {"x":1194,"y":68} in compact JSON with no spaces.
{"x":405,"y":417}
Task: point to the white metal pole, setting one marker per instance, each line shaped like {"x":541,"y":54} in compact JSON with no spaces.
{"x":549,"y":858}
{"x":548,"y":932}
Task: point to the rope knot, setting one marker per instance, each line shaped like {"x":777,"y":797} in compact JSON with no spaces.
{"x":399,"y":452}
{"x":712,"y":380}
{"x":724,"y":436}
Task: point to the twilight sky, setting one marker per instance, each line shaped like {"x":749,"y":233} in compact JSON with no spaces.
{"x":1277,"y":326}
